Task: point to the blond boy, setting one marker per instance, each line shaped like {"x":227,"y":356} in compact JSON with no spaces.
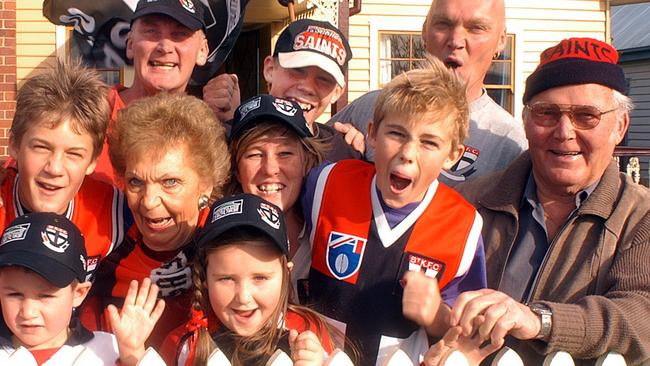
{"x":387,"y":237}
{"x":55,"y":137}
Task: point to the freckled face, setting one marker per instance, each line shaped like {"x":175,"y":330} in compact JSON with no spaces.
{"x":409,"y":156}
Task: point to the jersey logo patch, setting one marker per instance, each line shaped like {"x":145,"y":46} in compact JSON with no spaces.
{"x":431,"y":267}
{"x":344,"y":254}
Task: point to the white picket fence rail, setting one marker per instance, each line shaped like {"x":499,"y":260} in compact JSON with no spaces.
{"x":505,"y":357}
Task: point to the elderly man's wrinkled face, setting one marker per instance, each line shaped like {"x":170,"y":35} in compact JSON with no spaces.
{"x":567,"y":159}
{"x":465,"y":35}
{"x":164,"y":53}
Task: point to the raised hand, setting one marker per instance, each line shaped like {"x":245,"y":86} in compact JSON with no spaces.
{"x":222,"y":94}
{"x":352,"y":136}
{"x":422,"y":303}
{"x":306,"y":349}
{"x":133,"y":324}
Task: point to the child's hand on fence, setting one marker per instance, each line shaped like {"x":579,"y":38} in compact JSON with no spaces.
{"x":454,"y":340}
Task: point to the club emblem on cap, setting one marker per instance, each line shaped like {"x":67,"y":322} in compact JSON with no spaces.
{"x":269,"y":215}
{"x":251,"y":105}
{"x":188,"y":5}
{"x":55,"y":238}
{"x":285,"y":107}
{"x":322,"y":40}
{"x":16,"y":232}
{"x":227,"y":209}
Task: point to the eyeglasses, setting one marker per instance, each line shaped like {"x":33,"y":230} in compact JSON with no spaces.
{"x":583,"y":117}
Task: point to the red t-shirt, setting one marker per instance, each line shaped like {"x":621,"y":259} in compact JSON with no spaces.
{"x":42,"y":355}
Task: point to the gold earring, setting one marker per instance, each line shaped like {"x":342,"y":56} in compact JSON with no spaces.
{"x":203,"y":202}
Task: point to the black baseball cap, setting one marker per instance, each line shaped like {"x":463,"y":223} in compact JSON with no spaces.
{"x":248,"y":211}
{"x":308,"y":42}
{"x":187,"y":12}
{"x":265,"y":108}
{"x":48,"y":244}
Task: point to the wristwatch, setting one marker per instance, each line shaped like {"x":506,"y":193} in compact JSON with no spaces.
{"x":545,"y":316}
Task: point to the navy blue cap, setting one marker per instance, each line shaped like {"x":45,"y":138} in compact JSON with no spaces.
{"x":186,"y":12}
{"x":48,"y":244}
{"x":248,"y":211}
{"x":267,"y":108}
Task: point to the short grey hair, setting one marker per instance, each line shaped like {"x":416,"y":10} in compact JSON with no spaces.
{"x":623,"y":102}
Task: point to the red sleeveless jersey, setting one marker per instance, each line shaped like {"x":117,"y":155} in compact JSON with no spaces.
{"x":97,"y":209}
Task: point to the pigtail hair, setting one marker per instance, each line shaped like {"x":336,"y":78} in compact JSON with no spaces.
{"x":201,"y":344}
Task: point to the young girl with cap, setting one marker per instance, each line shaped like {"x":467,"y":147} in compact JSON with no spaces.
{"x":241,"y":291}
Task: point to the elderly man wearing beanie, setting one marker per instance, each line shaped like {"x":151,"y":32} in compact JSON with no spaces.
{"x":566,"y":235}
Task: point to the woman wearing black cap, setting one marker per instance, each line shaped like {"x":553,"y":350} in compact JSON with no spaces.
{"x":272,"y":150}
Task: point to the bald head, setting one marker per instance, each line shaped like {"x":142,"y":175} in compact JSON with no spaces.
{"x":465,"y":35}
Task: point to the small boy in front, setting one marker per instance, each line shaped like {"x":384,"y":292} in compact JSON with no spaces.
{"x":56,"y":135}
{"x":42,"y":279}
{"x":393,"y":247}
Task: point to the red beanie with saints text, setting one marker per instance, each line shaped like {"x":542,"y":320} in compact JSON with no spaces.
{"x":576,"y":61}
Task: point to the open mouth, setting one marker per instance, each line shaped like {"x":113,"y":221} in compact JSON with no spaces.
{"x":245,"y":314}
{"x":566,"y":153}
{"x":306,"y":107}
{"x":399,"y":183}
{"x":162,"y":65}
{"x":271,"y":188}
{"x":48,"y":187}
{"x":452,"y":65}
{"x":158,"y":223}
{"x":453,"y":62}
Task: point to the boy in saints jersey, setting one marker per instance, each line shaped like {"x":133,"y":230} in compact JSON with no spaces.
{"x":393,"y":247}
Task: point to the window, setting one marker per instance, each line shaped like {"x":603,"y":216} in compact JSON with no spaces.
{"x":401,"y":51}
{"x":76,"y":48}
{"x":499,"y":80}
{"x":398,"y":51}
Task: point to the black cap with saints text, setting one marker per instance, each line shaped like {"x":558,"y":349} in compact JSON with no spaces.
{"x":267,"y":108}
{"x":48,"y":244}
{"x":247,"y":211}
{"x":308,"y":42}
{"x":187,"y":12}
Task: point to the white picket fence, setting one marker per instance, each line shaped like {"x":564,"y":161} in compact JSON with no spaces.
{"x":505,"y":357}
